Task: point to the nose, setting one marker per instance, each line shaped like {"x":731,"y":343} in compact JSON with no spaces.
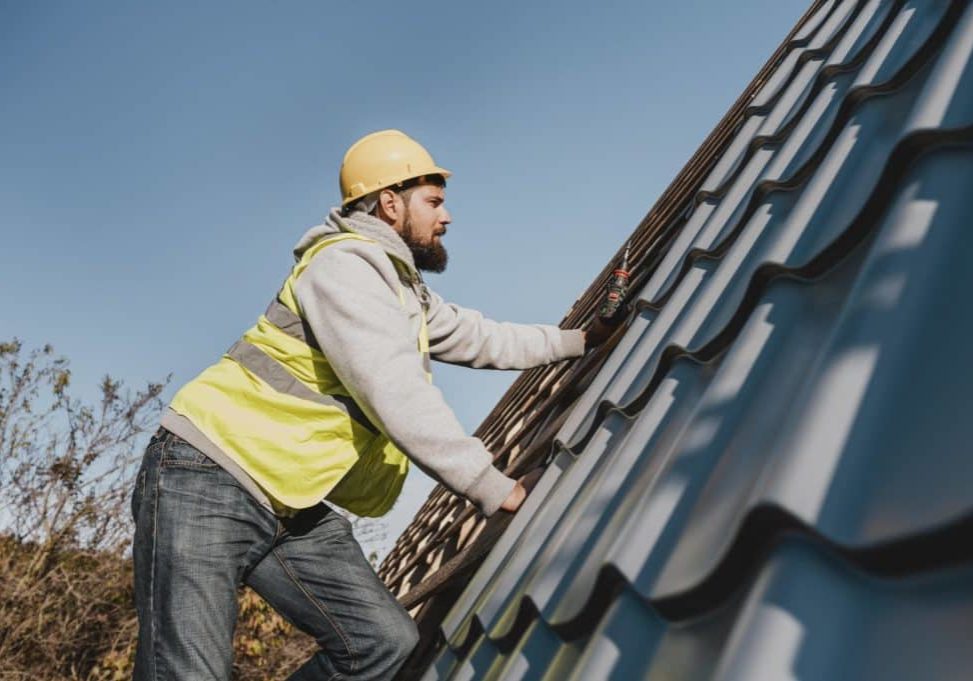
{"x":445,"y":218}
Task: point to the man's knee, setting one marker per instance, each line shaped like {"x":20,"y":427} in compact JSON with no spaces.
{"x":399,"y":636}
{"x":392,"y":640}
{"x":380,"y":652}
{"x":409,"y":637}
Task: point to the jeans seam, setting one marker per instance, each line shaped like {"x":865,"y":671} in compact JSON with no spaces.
{"x":153,"y":606}
{"x":321,"y":609}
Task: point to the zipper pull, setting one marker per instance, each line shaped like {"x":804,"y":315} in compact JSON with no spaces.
{"x":422,"y":291}
{"x":424,"y":297}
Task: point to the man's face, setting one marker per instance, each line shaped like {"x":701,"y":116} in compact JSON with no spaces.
{"x":424,"y":224}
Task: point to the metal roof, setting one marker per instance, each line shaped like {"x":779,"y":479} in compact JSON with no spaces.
{"x":770,"y":475}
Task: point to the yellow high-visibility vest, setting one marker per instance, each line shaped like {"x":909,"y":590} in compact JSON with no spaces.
{"x":274,"y":405}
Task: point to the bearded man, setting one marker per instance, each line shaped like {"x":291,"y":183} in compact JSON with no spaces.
{"x":322,"y":403}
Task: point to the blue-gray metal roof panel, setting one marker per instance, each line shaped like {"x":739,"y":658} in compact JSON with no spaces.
{"x":798,"y":369}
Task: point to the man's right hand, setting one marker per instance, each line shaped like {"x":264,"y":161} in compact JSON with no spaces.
{"x":520,"y":491}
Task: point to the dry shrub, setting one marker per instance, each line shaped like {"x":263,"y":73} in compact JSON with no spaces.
{"x":64,"y":613}
{"x":66,"y":471}
{"x":77,"y":622}
{"x":65,"y":476}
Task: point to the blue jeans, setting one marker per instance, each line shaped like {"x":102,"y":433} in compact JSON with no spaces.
{"x":199,"y":536}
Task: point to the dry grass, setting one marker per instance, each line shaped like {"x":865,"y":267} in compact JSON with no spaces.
{"x":66,"y":472}
{"x":70,"y":615}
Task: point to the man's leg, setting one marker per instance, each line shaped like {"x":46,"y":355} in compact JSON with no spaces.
{"x":317,"y":577}
{"x":196,"y":532}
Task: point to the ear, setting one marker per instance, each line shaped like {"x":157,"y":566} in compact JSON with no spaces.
{"x":389,"y":206}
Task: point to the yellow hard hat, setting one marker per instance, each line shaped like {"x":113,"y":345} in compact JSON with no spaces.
{"x":383,"y":159}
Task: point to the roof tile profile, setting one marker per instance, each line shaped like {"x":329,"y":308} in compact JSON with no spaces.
{"x":768,"y":474}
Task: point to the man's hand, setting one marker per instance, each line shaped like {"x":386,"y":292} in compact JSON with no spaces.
{"x":601,"y":329}
{"x":520,"y":491}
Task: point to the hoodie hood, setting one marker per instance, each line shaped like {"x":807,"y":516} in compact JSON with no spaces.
{"x":358,"y":223}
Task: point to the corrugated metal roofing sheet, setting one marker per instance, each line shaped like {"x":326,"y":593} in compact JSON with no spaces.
{"x":446,"y":539}
{"x":770,"y":476}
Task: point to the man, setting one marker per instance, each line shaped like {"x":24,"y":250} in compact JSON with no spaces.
{"x":323,"y":402}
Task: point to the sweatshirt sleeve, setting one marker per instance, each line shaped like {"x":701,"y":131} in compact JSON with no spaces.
{"x":460,"y":335}
{"x":355,"y":315}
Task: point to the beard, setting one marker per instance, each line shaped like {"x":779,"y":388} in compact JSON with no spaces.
{"x":429,"y":257}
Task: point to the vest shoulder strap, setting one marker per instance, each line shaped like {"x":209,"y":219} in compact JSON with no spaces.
{"x":286,"y":293}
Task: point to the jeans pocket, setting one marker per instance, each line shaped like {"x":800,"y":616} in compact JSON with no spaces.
{"x":178,"y":453}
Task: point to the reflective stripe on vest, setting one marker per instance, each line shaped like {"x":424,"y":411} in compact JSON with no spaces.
{"x":277,"y":377}
{"x":275,"y":406}
{"x":295,"y":326}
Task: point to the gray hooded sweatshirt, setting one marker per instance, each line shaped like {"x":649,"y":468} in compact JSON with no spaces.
{"x":349,"y":294}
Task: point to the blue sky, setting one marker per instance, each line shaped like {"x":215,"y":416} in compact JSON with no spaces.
{"x":159,"y":160}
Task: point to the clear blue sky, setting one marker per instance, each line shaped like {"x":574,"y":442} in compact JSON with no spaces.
{"x":159,"y":160}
